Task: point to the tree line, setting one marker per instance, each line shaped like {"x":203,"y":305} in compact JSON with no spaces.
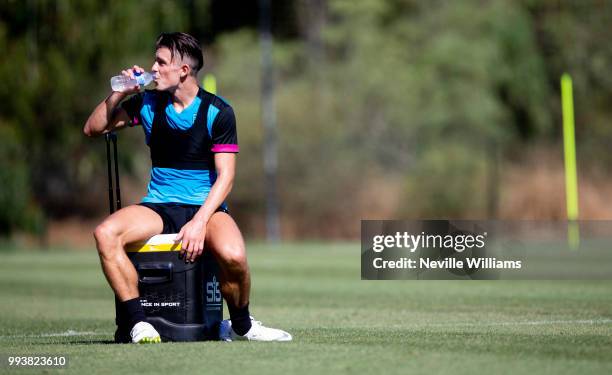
{"x":431,"y":94}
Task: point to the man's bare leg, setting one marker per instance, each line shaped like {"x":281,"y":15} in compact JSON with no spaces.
{"x":129,"y":224}
{"x":224,"y":239}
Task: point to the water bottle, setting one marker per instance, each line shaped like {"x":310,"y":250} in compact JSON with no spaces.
{"x":122,"y":83}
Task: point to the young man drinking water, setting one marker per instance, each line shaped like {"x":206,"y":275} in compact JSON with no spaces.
{"x":193,"y":168}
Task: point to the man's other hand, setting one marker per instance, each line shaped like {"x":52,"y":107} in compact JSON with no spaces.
{"x":192,"y":236}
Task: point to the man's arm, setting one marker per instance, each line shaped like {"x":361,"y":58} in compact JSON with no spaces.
{"x":108,"y":116}
{"x":193,"y":234}
{"x":225,"y":164}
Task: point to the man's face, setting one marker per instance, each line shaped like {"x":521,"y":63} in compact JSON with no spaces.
{"x":168,"y":71}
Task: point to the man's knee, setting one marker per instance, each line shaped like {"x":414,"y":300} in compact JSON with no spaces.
{"x":106,"y":238}
{"x":234,"y":256}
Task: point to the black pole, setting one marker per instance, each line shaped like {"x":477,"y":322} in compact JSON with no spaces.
{"x":111,"y":206}
{"x":117,"y":188}
{"x":120,"y":336}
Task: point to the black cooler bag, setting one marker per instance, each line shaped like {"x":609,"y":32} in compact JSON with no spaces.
{"x":181,"y":300}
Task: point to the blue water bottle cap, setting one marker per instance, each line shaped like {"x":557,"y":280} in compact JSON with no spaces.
{"x":137,"y":74}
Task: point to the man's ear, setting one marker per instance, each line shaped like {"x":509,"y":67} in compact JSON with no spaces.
{"x":185,"y":70}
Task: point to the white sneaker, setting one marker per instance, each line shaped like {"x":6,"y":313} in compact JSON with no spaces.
{"x":144,"y":333}
{"x":257,"y":332}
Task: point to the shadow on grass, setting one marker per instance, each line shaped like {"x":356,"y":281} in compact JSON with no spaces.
{"x":73,"y":342}
{"x":93,"y":342}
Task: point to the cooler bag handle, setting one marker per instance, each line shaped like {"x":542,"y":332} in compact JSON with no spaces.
{"x":154,"y":272}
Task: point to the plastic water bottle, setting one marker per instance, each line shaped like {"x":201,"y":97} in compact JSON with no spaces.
{"x":122,"y":83}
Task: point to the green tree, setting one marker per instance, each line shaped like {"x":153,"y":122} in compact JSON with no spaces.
{"x":56,"y":62}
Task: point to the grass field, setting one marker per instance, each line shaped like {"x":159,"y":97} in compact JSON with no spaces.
{"x":59,"y":303}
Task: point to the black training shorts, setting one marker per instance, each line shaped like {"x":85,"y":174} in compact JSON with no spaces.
{"x":175,"y":215}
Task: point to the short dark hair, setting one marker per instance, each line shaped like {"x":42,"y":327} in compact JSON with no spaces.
{"x":186,"y":46}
